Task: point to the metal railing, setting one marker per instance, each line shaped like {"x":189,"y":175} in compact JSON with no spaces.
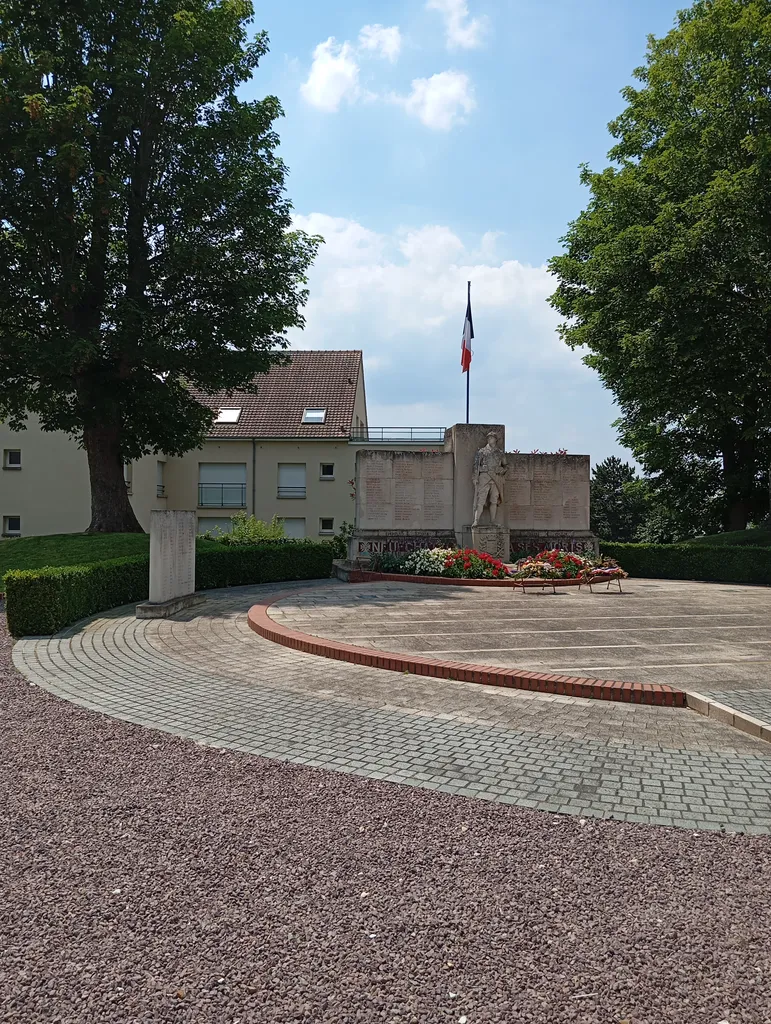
{"x":291,"y":492}
{"x":222,"y":495}
{"x":160,"y":491}
{"x":409,"y":435}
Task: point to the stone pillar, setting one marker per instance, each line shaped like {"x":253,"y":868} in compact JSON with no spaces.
{"x":172,"y":565}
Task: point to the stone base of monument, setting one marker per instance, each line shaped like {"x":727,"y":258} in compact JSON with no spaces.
{"x":490,"y":540}
{"x":343,"y":568}
{"x":530,"y":542}
{"x":366,"y":543}
{"x":165,"y":609}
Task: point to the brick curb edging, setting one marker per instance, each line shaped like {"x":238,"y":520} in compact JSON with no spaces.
{"x":542,"y":682}
{"x":728,"y":716}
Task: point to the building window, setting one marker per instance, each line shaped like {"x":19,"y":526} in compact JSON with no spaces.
{"x":327,"y":471}
{"x":314,"y":415}
{"x":216,"y":525}
{"x":228,"y":416}
{"x":11,"y":526}
{"x":222,"y":485}
{"x":294,"y":528}
{"x":160,"y":486}
{"x":128,"y":475}
{"x":326,"y":526}
{"x":291,"y":480}
{"x":12,"y":458}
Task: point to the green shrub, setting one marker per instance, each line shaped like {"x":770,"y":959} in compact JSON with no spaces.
{"x":340,"y":540}
{"x":388,"y":561}
{"x":248,"y":530}
{"x":692,"y":562}
{"x":43,"y":601}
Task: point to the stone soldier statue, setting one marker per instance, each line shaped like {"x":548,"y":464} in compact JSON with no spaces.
{"x":489,"y":476}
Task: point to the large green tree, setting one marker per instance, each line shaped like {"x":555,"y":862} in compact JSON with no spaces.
{"x":145,"y":242}
{"x":666,"y":276}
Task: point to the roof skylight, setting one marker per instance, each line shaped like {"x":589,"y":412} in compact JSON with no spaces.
{"x":314,"y":415}
{"x":228,"y":416}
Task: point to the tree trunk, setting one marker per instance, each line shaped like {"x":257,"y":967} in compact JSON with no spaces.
{"x":737,"y":515}
{"x":738,"y":478}
{"x":111,"y":510}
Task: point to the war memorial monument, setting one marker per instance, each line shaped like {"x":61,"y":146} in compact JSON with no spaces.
{"x":470,"y":492}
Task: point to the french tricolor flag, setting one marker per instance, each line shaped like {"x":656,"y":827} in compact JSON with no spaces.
{"x":468,"y":336}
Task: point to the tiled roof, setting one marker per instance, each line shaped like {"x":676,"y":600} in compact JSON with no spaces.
{"x":313,"y":380}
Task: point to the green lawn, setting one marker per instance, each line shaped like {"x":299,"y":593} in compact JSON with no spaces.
{"x":739,"y":538}
{"x":69,"y":549}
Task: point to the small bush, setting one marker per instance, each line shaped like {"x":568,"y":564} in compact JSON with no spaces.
{"x":248,"y":530}
{"x":340,"y":540}
{"x":693,"y":562}
{"x":43,"y":601}
{"x":387,"y":561}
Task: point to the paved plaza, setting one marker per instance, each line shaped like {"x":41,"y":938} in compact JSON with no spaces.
{"x":714,"y":639}
{"x":206,"y":676}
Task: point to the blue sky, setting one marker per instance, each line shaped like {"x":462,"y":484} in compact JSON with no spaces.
{"x":437,"y":141}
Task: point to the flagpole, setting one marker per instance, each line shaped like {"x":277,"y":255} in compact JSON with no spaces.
{"x":468,"y":372}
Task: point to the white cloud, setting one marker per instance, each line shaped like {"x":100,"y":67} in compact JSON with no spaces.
{"x":346,"y":242}
{"x":385,"y":42}
{"x":463,"y":32}
{"x":431,"y":246}
{"x":440,"y":102}
{"x":334,"y":76}
{"x":408,"y":289}
{"x":401,"y":297}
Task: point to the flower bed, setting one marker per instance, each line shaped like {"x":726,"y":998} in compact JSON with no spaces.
{"x":563,"y":568}
{"x":448,"y":563}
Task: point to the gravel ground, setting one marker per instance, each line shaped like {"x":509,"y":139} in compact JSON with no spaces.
{"x":146,"y":879}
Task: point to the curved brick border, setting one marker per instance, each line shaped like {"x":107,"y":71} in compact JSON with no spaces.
{"x":572,"y":686}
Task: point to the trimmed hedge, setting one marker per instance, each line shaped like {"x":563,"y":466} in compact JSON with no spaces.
{"x":692,"y":562}
{"x":238,"y":566}
{"x":43,"y":601}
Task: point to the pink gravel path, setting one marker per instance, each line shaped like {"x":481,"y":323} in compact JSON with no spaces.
{"x":145,"y":879}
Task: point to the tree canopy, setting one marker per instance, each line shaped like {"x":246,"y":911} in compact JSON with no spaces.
{"x":145,"y":236}
{"x":666,"y":275}
{"x":618,"y":500}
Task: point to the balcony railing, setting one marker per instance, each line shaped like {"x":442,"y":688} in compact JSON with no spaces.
{"x":222,"y":495}
{"x":408,"y":435}
{"x":160,"y":491}
{"x":291,"y":492}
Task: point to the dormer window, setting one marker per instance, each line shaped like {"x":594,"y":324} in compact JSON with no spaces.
{"x":314,"y":415}
{"x":228,"y":416}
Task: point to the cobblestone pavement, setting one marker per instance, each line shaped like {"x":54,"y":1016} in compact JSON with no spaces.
{"x":710,"y":638}
{"x":206,"y":676}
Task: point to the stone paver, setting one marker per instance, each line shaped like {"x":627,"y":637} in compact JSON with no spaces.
{"x":710,"y":638}
{"x":205,"y":675}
